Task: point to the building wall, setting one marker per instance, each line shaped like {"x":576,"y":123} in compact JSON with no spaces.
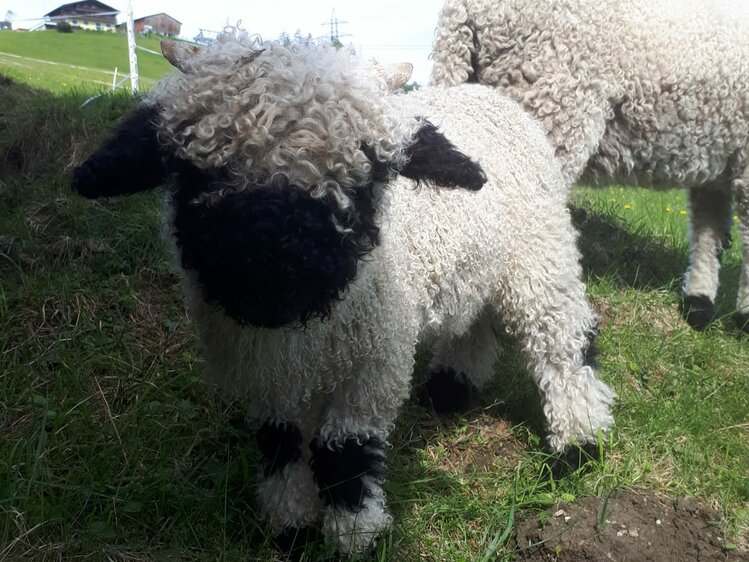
{"x":161,"y":23}
{"x":97,"y":24}
{"x":81,"y":15}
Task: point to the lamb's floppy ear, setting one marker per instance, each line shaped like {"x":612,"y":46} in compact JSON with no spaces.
{"x":128,"y":161}
{"x":435,"y":159}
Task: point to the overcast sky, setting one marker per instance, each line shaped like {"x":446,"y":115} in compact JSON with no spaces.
{"x":385,"y":30}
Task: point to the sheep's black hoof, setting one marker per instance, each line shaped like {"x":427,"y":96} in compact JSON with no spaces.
{"x":292,"y":542}
{"x":698,"y":311}
{"x":574,"y":458}
{"x":725,"y":243}
{"x":447,"y":391}
{"x":741,"y":319}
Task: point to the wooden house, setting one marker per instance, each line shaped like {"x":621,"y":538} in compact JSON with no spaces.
{"x":162,"y":23}
{"x":87,"y":14}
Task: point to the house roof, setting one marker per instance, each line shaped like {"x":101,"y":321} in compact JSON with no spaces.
{"x":67,"y":8}
{"x":159,"y":14}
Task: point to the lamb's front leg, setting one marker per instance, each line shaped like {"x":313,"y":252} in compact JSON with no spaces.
{"x":348,"y":452}
{"x":350,"y":472}
{"x":287,"y":492}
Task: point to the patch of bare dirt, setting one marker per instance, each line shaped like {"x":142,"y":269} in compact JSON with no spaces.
{"x":486,"y":443}
{"x":628,"y":527}
{"x":665,"y":318}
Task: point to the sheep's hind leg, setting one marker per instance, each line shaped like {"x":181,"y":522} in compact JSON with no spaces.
{"x":741,"y":190}
{"x":287,"y":492}
{"x":556,"y":328}
{"x":461,"y":363}
{"x":710,"y":210}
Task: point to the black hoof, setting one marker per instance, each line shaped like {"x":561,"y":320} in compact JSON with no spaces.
{"x":574,"y":458}
{"x":292,"y":542}
{"x":447,"y":391}
{"x":742,"y":321}
{"x":698,"y":311}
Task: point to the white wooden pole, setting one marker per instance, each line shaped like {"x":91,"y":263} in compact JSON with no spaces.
{"x":131,"y":49}
{"x":114,"y":79}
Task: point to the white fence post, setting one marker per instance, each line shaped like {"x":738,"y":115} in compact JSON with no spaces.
{"x":131,"y":49}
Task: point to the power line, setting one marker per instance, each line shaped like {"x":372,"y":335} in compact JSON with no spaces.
{"x":335,"y":36}
{"x":399,"y":47}
{"x":206,"y":36}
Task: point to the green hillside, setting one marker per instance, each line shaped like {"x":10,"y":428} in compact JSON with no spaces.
{"x":83,"y":59}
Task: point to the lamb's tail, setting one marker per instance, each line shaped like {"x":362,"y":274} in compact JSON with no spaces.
{"x":454,"y":50}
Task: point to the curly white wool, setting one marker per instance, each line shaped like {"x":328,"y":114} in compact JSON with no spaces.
{"x":451,"y":268}
{"x":675,"y":72}
{"x":259,"y":119}
{"x":452,"y":265}
{"x":629,"y":91}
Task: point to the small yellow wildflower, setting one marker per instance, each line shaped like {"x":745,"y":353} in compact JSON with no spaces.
{"x":627,"y":206}
{"x":668,"y":209}
{"x":682,"y":212}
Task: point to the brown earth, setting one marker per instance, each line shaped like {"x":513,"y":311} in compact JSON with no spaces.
{"x":628,"y":527}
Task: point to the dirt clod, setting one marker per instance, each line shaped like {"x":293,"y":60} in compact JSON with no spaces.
{"x":628,"y":527}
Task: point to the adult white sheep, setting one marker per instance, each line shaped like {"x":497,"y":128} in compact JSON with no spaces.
{"x":631,"y":91}
{"x":313,"y":264}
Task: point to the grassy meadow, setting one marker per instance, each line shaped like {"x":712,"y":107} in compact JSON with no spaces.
{"x":111,"y":447}
{"x":83,"y":59}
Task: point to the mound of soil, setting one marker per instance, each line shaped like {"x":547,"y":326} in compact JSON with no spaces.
{"x":628,"y":527}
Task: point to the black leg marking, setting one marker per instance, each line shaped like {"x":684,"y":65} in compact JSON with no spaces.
{"x":447,"y":391}
{"x":573,"y":458}
{"x":590,"y":353}
{"x":698,"y":311}
{"x":279,"y":446}
{"x":742,"y":321}
{"x":339,"y":470}
{"x":725,"y":244}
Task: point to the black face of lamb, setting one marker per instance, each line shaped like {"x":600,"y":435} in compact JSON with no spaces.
{"x":270,"y":256}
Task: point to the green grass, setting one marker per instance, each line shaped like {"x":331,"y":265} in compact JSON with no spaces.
{"x":83,"y":59}
{"x":111,"y":447}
